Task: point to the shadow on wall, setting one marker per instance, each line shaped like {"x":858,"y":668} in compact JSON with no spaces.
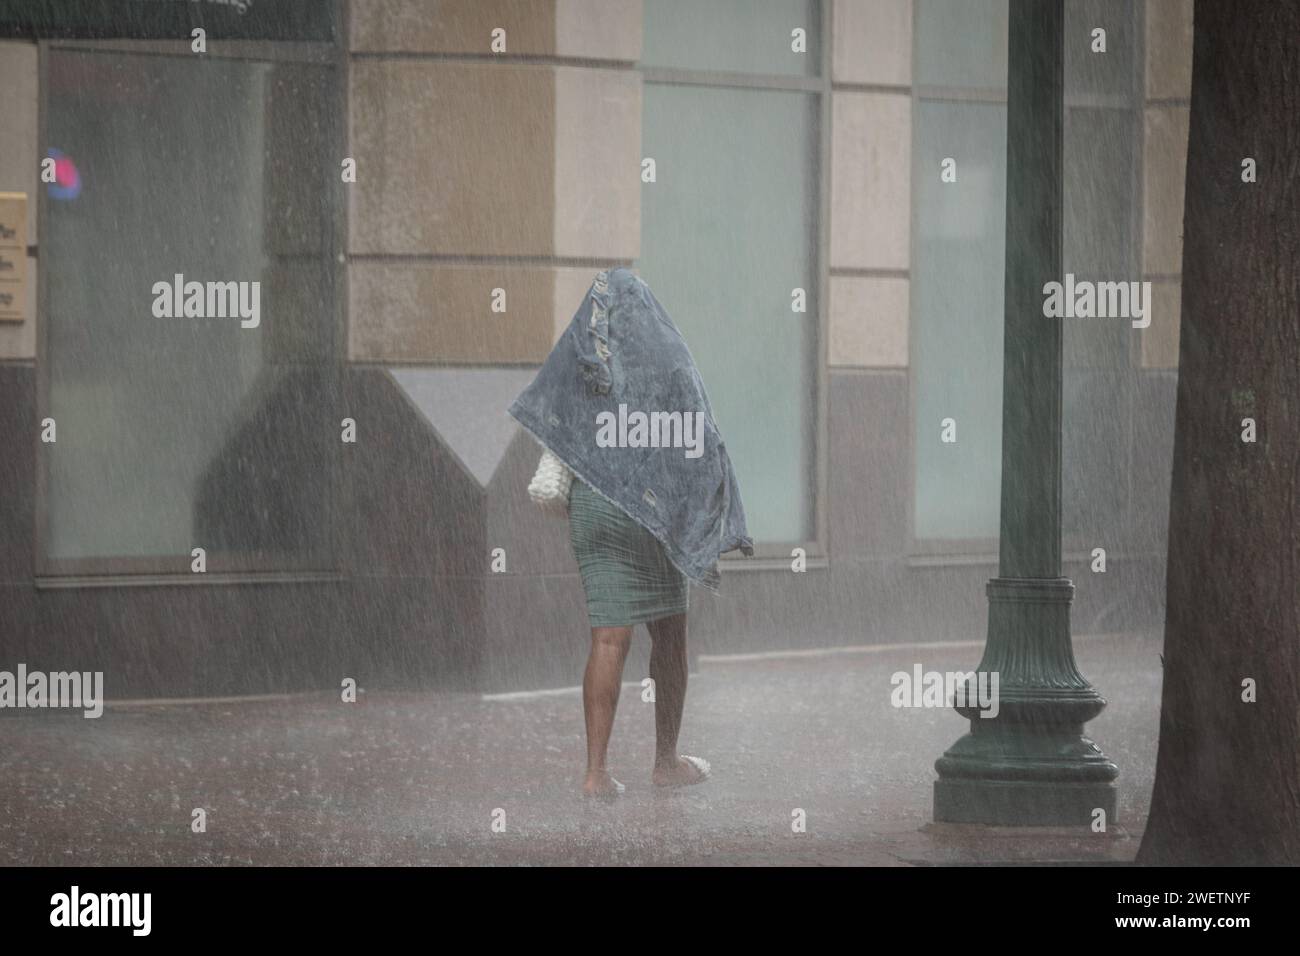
{"x":408,"y":520}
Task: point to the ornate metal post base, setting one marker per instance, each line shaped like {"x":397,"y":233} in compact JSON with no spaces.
{"x":1030,"y":764}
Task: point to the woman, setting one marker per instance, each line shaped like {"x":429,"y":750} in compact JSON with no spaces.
{"x":653,"y":503}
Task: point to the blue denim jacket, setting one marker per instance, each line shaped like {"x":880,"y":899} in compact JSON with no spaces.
{"x":622,"y":355}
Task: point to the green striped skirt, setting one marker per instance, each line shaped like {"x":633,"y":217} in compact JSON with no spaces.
{"x":625,"y":572}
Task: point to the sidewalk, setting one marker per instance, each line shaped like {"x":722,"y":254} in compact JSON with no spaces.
{"x":401,"y":778}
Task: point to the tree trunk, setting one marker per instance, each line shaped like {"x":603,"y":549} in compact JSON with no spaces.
{"x":1227,"y":788}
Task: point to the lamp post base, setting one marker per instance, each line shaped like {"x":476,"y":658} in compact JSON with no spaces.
{"x":1023,"y":802}
{"x":1029,"y":764}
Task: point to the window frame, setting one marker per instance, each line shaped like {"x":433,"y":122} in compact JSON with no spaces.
{"x":771,"y":555}
{"x":225,"y":567}
{"x":923,"y":552}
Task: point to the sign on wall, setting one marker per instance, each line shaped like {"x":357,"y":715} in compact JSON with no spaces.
{"x":167,"y":19}
{"x":13,"y":256}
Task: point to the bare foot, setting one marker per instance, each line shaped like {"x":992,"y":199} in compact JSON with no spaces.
{"x":601,"y":785}
{"x":687,"y":771}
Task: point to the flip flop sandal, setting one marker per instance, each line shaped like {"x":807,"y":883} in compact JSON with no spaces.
{"x":701,"y":773}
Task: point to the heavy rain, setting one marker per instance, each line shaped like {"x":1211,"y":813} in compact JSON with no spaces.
{"x":274,"y":590}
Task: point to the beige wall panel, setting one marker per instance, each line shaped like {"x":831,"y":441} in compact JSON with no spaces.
{"x":1160,"y":338}
{"x":452,"y":158}
{"x":19,"y":157}
{"x":868,"y":322}
{"x":1169,"y":49}
{"x":452,"y":26}
{"x":871,"y":180}
{"x":597,"y":199}
{"x":599,"y":29}
{"x":872,"y":42}
{"x":432,"y":313}
{"x":571,"y":285}
{"x":19,"y":173}
{"x":1164,"y":173}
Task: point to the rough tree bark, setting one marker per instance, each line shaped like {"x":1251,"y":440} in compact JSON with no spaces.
{"x":1227,"y":787}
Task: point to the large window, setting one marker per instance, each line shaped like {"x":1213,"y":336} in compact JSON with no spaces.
{"x":209,"y":428}
{"x":733,"y":121}
{"x":957,"y":316}
{"x":959,"y":102}
{"x":959,"y":113}
{"x":1102,"y":169}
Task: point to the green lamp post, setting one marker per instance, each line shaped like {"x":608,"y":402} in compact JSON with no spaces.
{"x":1030,"y":764}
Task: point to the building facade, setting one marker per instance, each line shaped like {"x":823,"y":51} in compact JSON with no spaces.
{"x":422,"y":193}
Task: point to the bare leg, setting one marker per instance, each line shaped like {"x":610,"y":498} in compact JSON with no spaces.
{"x":600,"y":689}
{"x":669,"y":672}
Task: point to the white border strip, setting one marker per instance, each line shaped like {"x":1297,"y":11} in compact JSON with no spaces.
{"x":549,"y":692}
{"x":855,"y":649}
{"x":826,"y":652}
{"x":187,"y":701}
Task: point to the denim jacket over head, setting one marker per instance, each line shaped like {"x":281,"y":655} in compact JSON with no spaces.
{"x":667,"y":466}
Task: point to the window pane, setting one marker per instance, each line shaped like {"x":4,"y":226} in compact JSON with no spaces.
{"x":728,"y":231}
{"x":745,"y":36}
{"x":1100,"y":195}
{"x":957,"y":304}
{"x":1098,"y":390}
{"x":181,"y":432}
{"x":961,"y":43}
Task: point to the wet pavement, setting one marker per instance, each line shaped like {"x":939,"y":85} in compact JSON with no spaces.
{"x":454,"y":779}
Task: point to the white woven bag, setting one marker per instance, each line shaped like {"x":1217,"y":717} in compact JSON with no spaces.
{"x":550,"y":485}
